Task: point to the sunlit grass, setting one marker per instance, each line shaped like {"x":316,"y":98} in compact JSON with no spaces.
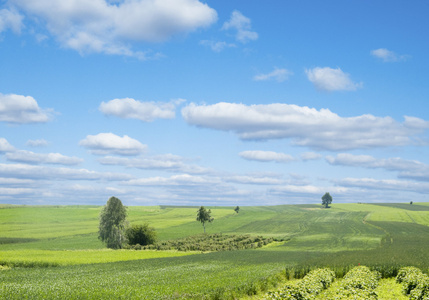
{"x":77,"y":257}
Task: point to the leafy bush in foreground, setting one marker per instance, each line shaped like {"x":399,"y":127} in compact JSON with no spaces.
{"x":414,"y":283}
{"x":310,"y":286}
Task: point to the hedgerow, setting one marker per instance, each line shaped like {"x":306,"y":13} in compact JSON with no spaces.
{"x":208,"y":242}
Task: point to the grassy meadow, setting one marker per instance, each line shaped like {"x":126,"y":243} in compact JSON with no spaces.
{"x":52,"y":252}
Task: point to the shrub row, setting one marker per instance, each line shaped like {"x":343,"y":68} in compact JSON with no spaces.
{"x":359,"y":283}
{"x":414,"y":283}
{"x":208,"y":242}
{"x":307,"y":288}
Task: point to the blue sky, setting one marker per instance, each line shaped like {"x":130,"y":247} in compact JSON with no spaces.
{"x":188,"y":102}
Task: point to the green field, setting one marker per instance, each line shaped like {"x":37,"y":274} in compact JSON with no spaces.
{"x":52,"y":252}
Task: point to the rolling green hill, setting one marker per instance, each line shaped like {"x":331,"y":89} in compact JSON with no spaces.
{"x":55,"y":254}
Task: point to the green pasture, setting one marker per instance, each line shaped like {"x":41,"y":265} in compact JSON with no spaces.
{"x":55,"y":254}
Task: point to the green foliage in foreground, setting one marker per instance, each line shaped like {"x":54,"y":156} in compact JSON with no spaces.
{"x":210,"y":242}
{"x":414,"y":283}
{"x":307,"y":288}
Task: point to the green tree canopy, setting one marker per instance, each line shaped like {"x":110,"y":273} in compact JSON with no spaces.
{"x":326,"y":200}
{"x":141,"y":234}
{"x":203,"y":216}
{"x":237,"y":209}
{"x":112,"y":223}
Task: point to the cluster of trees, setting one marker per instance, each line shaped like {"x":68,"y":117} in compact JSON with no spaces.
{"x":115,"y":231}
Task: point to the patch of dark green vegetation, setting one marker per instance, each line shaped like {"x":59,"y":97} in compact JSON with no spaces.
{"x":209,"y":242}
{"x":6,"y":240}
{"x":406,"y":206}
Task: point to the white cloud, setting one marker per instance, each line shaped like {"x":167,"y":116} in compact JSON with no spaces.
{"x":305,"y":126}
{"x":246,"y":179}
{"x":5,"y":146}
{"x":385,"y":184}
{"x":37,"y":143}
{"x":266,"y":156}
{"x":24,"y":171}
{"x":103,"y":27}
{"x":10,"y":19}
{"x":175,"y":180}
{"x":160,"y":162}
{"x":307,"y":190}
{"x":411,"y":169}
{"x":279,"y":75}
{"x":109,"y":143}
{"x":242,"y":25}
{"x":217,"y":46}
{"x":128,"y":108}
{"x":328,"y":79}
{"x":42,"y":158}
{"x":19,"y":109}
{"x":387,"y":55}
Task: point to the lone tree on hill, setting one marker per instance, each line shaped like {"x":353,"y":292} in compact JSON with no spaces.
{"x":112,"y":223}
{"x":326,"y":200}
{"x":203,"y":216}
{"x":237,"y":209}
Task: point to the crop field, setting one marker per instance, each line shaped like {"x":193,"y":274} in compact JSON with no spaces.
{"x":52,"y":252}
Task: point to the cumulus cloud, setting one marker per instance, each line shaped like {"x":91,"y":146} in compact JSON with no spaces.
{"x":387,"y":55}
{"x":385,"y":184}
{"x":128,"y":108}
{"x":175,"y":180}
{"x":18,"y":109}
{"x":109,"y":143}
{"x":105,"y":27}
{"x":266,"y":156}
{"x":42,"y":158}
{"x":278,"y":75}
{"x":243,"y":27}
{"x":410,"y":169}
{"x":5,"y":146}
{"x":260,"y":180}
{"x":166,"y":162}
{"x":25,"y":171}
{"x":10,"y":19}
{"x":328,"y":79}
{"x":217,"y":46}
{"x":322,"y":130}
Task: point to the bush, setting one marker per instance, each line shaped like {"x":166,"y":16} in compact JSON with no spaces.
{"x":310,"y":286}
{"x":414,"y":283}
{"x":141,"y":235}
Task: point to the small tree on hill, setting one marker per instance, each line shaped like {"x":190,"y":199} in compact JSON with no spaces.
{"x":203,"y":216}
{"x":112,"y":223}
{"x":141,"y":234}
{"x":326,"y":200}
{"x":237,"y":209}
